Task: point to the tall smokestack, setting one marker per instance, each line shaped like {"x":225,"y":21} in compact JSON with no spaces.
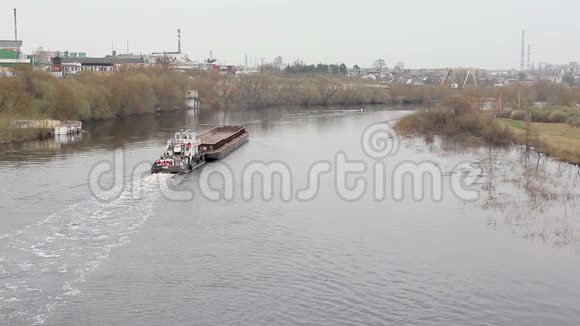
{"x":15,"y":27}
{"x":523,"y":58}
{"x":179,"y":40}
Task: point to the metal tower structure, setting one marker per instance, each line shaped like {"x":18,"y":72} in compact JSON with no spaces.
{"x":523,"y":54}
{"x":179,"y":41}
{"x":529,"y":57}
{"x":469,"y":72}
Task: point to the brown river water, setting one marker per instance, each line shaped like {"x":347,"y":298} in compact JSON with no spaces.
{"x":489,"y":236}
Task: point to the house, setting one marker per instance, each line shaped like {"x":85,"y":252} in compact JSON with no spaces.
{"x":369,"y":77}
{"x":228,"y":70}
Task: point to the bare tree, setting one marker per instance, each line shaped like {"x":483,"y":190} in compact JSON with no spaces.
{"x":278,"y":62}
{"x":400,"y":66}
{"x":379,"y":64}
{"x":327,"y":88}
{"x":41,"y":55}
{"x":225,"y":89}
{"x":165,"y":62}
{"x":13,"y":96}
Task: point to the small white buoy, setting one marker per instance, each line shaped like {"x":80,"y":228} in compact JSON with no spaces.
{"x":361,"y":109}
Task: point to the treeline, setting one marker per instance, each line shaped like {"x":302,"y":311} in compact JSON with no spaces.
{"x":89,"y":95}
{"x":35,"y":94}
{"x":512,"y":97}
{"x":263,"y":90}
{"x":32,"y":94}
{"x":299,"y":67}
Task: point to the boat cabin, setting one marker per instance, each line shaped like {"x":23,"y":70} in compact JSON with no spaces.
{"x":184,"y":144}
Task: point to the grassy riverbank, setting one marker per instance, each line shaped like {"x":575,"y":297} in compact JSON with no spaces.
{"x":456,"y":118}
{"x":559,"y":140}
{"x":8,"y":134}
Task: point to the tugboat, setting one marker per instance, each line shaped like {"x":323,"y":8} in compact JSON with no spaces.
{"x":188,"y":150}
{"x":181,"y":154}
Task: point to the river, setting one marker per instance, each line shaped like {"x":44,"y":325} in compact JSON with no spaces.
{"x":133,"y":249}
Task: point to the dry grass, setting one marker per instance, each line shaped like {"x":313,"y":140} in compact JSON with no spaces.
{"x":8,"y":134}
{"x":558,"y":140}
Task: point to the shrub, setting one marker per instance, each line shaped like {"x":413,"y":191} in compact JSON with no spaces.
{"x":519,"y":115}
{"x":558,"y":116}
{"x":539,"y":115}
{"x":458,"y":104}
{"x":505,"y":113}
{"x":455,"y":123}
{"x":574,"y":122}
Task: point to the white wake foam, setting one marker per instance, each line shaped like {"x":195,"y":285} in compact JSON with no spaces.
{"x":43,"y":263}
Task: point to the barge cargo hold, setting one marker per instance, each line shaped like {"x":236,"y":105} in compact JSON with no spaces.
{"x":188,"y":150}
{"x":219,"y":142}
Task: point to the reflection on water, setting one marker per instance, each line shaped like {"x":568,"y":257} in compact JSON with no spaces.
{"x":527,"y":190}
{"x":535,"y":194}
{"x":109,"y":134}
{"x":41,"y":149}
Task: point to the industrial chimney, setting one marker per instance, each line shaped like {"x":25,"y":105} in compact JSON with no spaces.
{"x":179,"y":41}
{"x":15,"y":27}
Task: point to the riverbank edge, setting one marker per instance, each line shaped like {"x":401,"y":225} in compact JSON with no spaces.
{"x":558,"y":141}
{"x":43,"y":134}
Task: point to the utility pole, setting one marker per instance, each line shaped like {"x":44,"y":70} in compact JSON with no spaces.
{"x":262,"y":60}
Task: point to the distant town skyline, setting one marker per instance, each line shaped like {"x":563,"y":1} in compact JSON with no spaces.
{"x":420,"y":33}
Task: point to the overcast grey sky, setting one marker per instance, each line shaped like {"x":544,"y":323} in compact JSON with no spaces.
{"x":422,"y":33}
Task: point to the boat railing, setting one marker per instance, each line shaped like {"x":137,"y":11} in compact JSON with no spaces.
{"x":193,"y":142}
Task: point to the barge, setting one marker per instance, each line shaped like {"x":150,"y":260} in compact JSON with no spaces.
{"x":188,"y":150}
{"x":219,"y":142}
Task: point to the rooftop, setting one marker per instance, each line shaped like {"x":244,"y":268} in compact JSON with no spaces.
{"x":10,"y":44}
{"x":108,"y":60}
